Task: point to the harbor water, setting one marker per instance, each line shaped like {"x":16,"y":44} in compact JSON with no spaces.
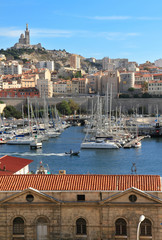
{"x":147,"y":159}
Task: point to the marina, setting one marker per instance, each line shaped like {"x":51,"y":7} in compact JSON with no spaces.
{"x":147,"y":158}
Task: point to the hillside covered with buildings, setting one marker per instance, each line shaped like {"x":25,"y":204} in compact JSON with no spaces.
{"x":32,"y":71}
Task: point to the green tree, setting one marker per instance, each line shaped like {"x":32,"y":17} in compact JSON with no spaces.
{"x":73,"y":106}
{"x":10,"y":111}
{"x":78,"y":74}
{"x":131,"y":89}
{"x":64,"y":108}
{"x":146,"y":95}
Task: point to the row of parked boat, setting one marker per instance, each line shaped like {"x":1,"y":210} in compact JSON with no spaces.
{"x":33,"y":136}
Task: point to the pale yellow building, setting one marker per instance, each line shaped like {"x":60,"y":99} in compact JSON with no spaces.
{"x":44,"y":83}
{"x":28,"y":82}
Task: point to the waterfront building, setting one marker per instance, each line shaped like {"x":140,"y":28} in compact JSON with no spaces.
{"x":80,"y":207}
{"x":127,"y":80}
{"x":155,"y":87}
{"x":82,"y":85}
{"x":94,"y":82}
{"x":60,"y":86}
{"x":19,"y":93}
{"x":75,"y":87}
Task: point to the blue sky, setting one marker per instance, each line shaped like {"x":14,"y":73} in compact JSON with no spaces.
{"x":92,"y":28}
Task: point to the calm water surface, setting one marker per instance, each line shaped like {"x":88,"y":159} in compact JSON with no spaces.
{"x":148,"y":158}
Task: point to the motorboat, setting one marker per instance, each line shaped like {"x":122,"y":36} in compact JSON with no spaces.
{"x":71,"y":153}
{"x":137,"y":145}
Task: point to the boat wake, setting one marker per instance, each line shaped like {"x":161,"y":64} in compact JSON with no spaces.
{"x":33,"y":154}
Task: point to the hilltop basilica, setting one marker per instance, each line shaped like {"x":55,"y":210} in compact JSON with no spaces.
{"x":24,"y":41}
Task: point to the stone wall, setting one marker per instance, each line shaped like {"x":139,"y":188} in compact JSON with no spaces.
{"x":151,"y":105}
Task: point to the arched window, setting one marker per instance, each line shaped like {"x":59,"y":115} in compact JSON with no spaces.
{"x":81,"y":226}
{"x":42,"y":232}
{"x":18,"y":226}
{"x":146,"y":228}
{"x":121,"y":227}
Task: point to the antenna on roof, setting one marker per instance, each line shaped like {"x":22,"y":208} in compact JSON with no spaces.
{"x":133,"y":168}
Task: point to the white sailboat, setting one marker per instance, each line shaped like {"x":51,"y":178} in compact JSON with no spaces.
{"x":99,"y":144}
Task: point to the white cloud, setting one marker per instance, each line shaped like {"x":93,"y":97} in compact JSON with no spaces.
{"x":51,"y":33}
{"x":55,"y":33}
{"x":10,"y":32}
{"x":110,"y":17}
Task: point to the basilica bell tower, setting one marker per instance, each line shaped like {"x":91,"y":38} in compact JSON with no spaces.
{"x":27,"y":35}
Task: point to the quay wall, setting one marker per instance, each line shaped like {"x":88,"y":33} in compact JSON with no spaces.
{"x":150,"y":105}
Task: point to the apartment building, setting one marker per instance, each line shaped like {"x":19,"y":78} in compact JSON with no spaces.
{"x":75,"y":61}
{"x":10,"y":68}
{"x":28,"y":81}
{"x":11,"y":84}
{"x":44,"y":83}
{"x":82,"y":85}
{"x":60,"y":86}
{"x":46,"y":64}
{"x":94,"y":82}
{"x":155,"y":87}
{"x":20,"y":93}
{"x":142,"y":78}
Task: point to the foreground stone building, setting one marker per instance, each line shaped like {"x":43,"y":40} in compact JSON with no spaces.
{"x":91,"y":207}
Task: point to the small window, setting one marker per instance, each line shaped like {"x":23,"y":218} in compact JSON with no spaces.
{"x":132,"y":198}
{"x":81,"y":228}
{"x":81,"y":197}
{"x":29,"y":198}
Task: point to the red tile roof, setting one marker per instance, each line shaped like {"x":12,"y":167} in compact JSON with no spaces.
{"x":12,"y":164}
{"x":80,"y":182}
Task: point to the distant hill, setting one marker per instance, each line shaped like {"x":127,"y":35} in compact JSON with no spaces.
{"x":60,"y":57}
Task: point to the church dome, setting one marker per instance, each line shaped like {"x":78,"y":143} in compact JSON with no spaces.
{"x":22,"y":35}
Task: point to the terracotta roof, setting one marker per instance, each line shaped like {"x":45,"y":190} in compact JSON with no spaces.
{"x":80,"y":182}
{"x":155,"y":81}
{"x":10,"y":165}
{"x":157,"y":74}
